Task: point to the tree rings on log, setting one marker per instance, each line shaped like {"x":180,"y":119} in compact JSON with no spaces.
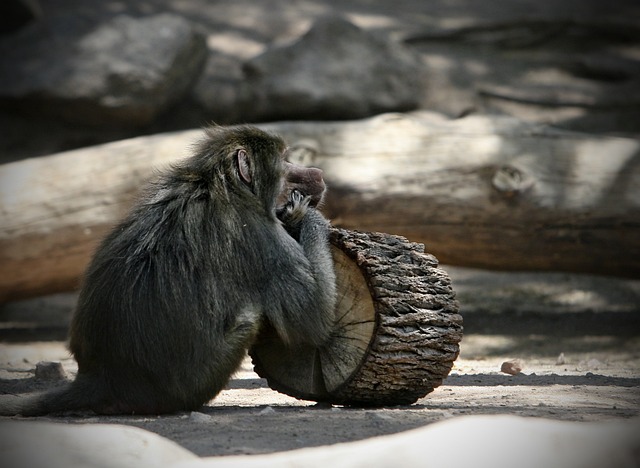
{"x":397,"y":334}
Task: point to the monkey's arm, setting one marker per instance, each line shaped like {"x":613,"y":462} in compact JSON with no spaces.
{"x":310,"y":291}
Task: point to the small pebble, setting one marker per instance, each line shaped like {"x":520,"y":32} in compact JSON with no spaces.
{"x":513,"y":367}
{"x":50,"y":371}
{"x":197,"y":417}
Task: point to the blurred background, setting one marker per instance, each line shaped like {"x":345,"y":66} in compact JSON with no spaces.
{"x":75,"y":73}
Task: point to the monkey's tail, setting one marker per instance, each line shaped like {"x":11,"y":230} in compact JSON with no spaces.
{"x":72,"y":396}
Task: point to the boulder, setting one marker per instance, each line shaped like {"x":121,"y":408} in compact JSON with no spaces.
{"x":16,"y":14}
{"x":219,"y":90}
{"x":88,"y":445}
{"x":125,"y":72}
{"x":479,"y":441}
{"x":335,"y":71}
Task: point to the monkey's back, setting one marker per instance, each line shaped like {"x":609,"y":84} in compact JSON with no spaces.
{"x":158,"y":321}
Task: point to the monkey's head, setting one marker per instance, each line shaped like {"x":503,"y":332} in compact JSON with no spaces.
{"x":245,"y":160}
{"x":307,"y":180}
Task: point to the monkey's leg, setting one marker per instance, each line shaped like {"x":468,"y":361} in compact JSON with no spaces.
{"x":397,"y":335}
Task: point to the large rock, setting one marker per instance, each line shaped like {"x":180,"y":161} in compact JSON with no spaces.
{"x":334,"y":71}
{"x":478,"y":441}
{"x":220,"y":90}
{"x":88,"y":445}
{"x":16,"y":14}
{"x":124,"y":72}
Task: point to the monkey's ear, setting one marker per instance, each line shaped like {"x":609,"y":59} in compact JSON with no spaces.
{"x":243,"y":166}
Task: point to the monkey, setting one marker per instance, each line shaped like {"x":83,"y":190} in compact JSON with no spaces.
{"x":176,"y":293}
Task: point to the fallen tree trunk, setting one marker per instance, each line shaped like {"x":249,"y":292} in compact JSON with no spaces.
{"x":55,"y":209}
{"x":489,"y":192}
{"x":479,"y":191}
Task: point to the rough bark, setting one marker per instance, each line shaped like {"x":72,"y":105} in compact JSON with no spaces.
{"x":397,"y":335}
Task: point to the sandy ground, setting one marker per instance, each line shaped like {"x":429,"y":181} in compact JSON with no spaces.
{"x":581,"y":363}
{"x":248,"y":417}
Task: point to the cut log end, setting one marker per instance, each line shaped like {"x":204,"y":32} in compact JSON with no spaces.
{"x":397,"y":331}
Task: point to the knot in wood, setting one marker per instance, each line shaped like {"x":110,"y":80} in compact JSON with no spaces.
{"x":303,"y":152}
{"x":510,"y":181}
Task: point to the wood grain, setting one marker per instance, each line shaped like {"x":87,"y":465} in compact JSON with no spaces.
{"x":480,"y":191}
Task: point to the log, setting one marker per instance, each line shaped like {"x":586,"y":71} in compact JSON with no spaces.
{"x":479,"y":191}
{"x":397,"y":334}
{"x":487,"y":192}
{"x":55,"y":209}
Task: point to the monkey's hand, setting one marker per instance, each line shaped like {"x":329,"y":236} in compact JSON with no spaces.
{"x":294,"y":212}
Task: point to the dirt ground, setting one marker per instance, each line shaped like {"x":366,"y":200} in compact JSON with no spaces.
{"x":577,"y":336}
